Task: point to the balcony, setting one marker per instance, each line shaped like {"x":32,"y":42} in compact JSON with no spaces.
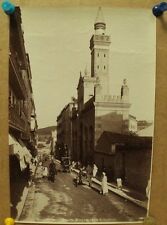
{"x":99,"y":39}
{"x":15,"y":121}
{"x":15,"y":77}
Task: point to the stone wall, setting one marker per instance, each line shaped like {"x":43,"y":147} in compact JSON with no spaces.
{"x":87,"y":139}
{"x":108,"y":121}
{"x":132,"y":164}
{"x":137,"y":168}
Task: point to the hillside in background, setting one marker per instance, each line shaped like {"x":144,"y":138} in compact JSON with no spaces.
{"x":46,"y":130}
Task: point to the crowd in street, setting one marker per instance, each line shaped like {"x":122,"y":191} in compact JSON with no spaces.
{"x":50,"y":168}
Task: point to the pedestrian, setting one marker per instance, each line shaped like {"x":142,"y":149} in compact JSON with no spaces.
{"x":75,"y":181}
{"x":32,"y":160}
{"x":73,"y":164}
{"x":104,"y":185}
{"x":35,"y":161}
{"x":95,"y":169}
{"x":71,"y":167}
{"x":52,"y":171}
{"x":45,"y":171}
{"x":89,"y":174}
{"x":78,"y":179}
{"x":80,"y":174}
{"x":79,"y":165}
{"x":27,"y":172}
{"x":119,"y":183}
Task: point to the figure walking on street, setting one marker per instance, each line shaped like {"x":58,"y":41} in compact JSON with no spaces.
{"x":89,"y":173}
{"x":104,"y":185}
{"x":78,"y":180}
{"x":45,"y":171}
{"x":95,"y":169}
{"x":80,"y":174}
{"x":52,"y":171}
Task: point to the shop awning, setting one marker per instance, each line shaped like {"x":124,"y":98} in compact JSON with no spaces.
{"x":17,"y":147}
{"x":12,"y":140}
{"x":27,"y":155}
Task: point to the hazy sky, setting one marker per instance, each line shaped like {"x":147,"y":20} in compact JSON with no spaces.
{"x":57,"y":41}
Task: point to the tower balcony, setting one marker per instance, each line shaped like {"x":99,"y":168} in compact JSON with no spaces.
{"x":102,"y":39}
{"x":105,"y":38}
{"x":15,"y":77}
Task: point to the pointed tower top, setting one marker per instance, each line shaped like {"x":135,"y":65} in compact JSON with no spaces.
{"x":99,"y":17}
{"x":99,"y":25}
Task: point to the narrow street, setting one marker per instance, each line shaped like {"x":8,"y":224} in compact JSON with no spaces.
{"x":73,"y":103}
{"x":63,"y":202}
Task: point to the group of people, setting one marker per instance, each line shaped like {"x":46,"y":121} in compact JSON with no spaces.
{"x":90,"y":172}
{"x":50,"y":171}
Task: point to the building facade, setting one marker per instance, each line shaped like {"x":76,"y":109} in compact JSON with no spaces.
{"x":97,"y":109}
{"x":53,"y":141}
{"x":22,"y":112}
{"x":64,"y":132}
{"x":127,"y":157}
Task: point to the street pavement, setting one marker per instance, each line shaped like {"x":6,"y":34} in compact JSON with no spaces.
{"x":63,"y":202}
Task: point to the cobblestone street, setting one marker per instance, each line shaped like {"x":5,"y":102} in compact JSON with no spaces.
{"x":63,"y":202}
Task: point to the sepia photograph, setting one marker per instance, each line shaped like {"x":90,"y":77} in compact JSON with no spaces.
{"x":81,"y":113}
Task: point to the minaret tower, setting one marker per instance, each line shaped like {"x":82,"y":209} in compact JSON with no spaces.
{"x":99,"y":46}
{"x":125,"y":92}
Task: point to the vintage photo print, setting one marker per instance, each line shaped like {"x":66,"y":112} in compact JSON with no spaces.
{"x":81,"y":114}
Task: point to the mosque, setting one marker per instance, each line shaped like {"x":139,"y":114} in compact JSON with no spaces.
{"x":97,"y":127}
{"x":96,"y":110}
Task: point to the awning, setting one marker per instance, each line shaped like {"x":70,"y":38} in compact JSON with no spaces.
{"x":27,"y":154}
{"x":12,"y":140}
{"x":17,"y":147}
